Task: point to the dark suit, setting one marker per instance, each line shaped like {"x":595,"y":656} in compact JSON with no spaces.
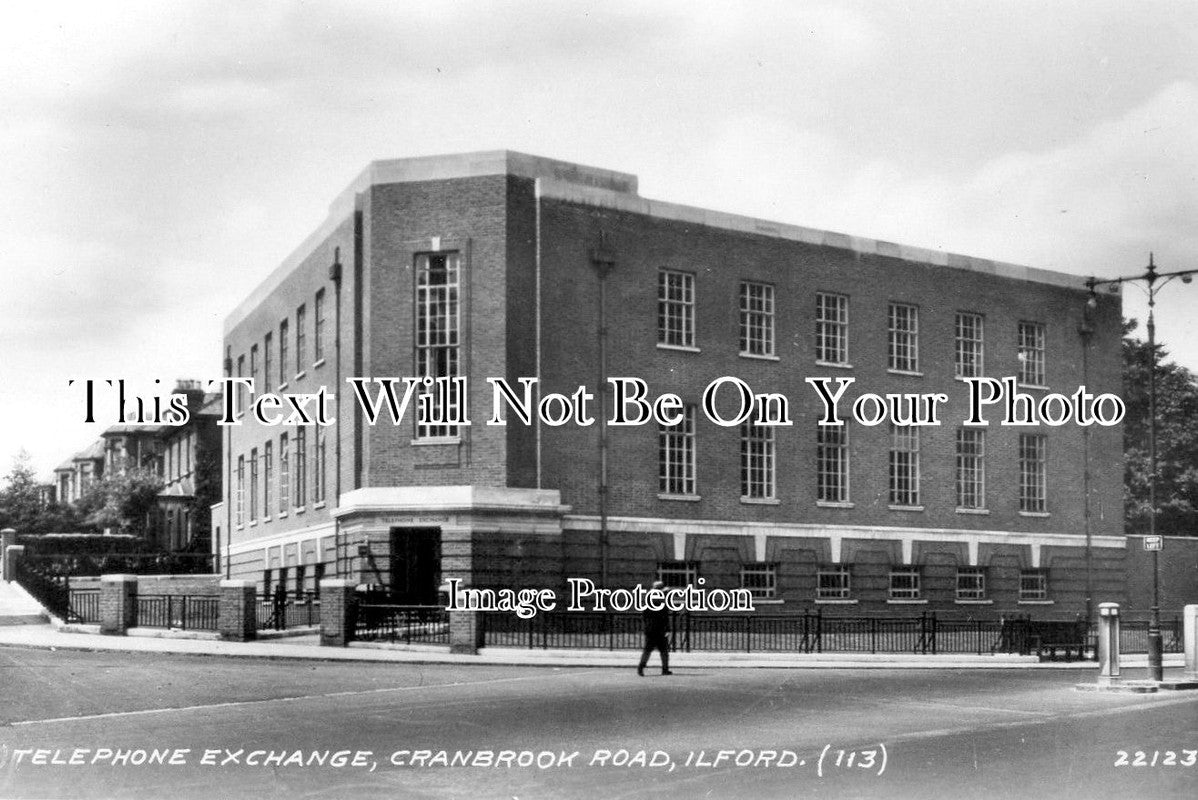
{"x":657,"y":637}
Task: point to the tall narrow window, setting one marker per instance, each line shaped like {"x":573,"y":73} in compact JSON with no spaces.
{"x":318,"y":477}
{"x":969,"y":345}
{"x":438,"y":334}
{"x":256,"y":386}
{"x":267,"y":373}
{"x":904,"y":465}
{"x":284,"y":473}
{"x":831,"y":328}
{"x":903,"y":328}
{"x":756,"y":462}
{"x":300,"y":340}
{"x":283,"y":334}
{"x":1031,"y":353}
{"x":676,"y":456}
{"x":240,"y":515}
{"x":268,"y":475}
{"x":300,"y":479}
{"x":240,"y":389}
{"x":756,"y":319}
{"x":254,"y":484}
{"x":675,"y":308}
{"x":832,"y":463}
{"x":318,"y":329}
{"x":1033,"y":473}
{"x":971,"y":468}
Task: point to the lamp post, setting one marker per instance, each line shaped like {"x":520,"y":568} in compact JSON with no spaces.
{"x":1153,"y":282}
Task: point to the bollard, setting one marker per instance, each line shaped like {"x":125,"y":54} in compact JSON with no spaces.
{"x":1191,"y":642}
{"x":1108,"y":643}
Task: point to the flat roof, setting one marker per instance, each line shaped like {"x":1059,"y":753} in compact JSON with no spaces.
{"x":577,"y":183}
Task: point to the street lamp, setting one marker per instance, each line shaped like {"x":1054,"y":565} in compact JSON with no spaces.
{"x":1153,"y":282}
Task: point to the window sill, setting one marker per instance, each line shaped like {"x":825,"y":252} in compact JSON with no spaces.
{"x":1035,"y":514}
{"x":1037,"y":602}
{"x":834,"y":504}
{"x":833,"y":601}
{"x":760,"y":501}
{"x":1037,"y":386}
{"x":686,"y":498}
{"x":436,"y":440}
{"x":760,"y":356}
{"x":318,"y":505}
{"x":974,"y":602}
{"x":253,"y":523}
{"x":318,"y":363}
{"x":265,"y":520}
{"x":833,"y":364}
{"x":767,"y":601}
{"x":684,"y":348}
{"x":976,"y":511}
{"x":914,"y":601}
{"x":239,"y":527}
{"x":282,"y":386}
{"x":282,"y":515}
{"x":300,"y":374}
{"x":299,"y":510}
{"x":909,"y":372}
{"x":905,"y":508}
{"x":964,"y":378}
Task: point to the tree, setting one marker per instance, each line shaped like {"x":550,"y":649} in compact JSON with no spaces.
{"x":1176,"y":441}
{"x":23,"y":506}
{"x":122,"y":500}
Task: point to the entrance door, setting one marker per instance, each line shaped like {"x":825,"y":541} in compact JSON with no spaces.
{"x":415,"y":565}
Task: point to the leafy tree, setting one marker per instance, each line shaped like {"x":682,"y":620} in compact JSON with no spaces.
{"x":22,"y":505}
{"x":122,"y":500}
{"x":1176,"y":441}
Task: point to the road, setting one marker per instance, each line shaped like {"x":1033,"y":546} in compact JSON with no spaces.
{"x":909,"y":733}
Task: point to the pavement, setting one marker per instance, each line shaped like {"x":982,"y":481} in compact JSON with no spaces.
{"x":307,"y":647}
{"x":18,"y":608}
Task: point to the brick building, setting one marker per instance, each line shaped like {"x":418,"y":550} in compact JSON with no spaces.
{"x":505,"y":265}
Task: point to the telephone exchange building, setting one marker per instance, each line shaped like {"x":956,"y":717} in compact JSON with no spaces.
{"x":504,"y":265}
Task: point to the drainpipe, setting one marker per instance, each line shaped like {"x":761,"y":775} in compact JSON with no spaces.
{"x":603,"y":258}
{"x":335,"y":277}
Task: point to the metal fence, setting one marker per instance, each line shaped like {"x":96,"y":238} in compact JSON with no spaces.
{"x":379,"y":622}
{"x":780,"y":633}
{"x":182,"y":611}
{"x":84,"y":606}
{"x":280,"y":612}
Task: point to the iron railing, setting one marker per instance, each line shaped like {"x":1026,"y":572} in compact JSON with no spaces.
{"x":280,"y":612}
{"x":182,"y":611}
{"x":52,"y":591}
{"x":381,"y":622}
{"x":84,"y":606}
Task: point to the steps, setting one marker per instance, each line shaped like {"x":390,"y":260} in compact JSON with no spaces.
{"x":18,"y":608}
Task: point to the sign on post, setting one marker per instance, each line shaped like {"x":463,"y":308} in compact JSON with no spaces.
{"x":1153,"y":542}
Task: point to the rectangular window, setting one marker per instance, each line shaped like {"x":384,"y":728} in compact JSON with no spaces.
{"x":283,"y":334}
{"x":317,"y":577}
{"x":284,"y":473}
{"x":756,"y":462}
{"x":903,"y":328}
{"x":969,"y":345}
{"x":240,"y":515}
{"x":833,"y":582}
{"x":255,"y":385}
{"x":301,"y":575}
{"x":761,"y":579}
{"x":300,"y":479}
{"x":676,"y":455}
{"x":832,"y":463}
{"x":971,"y":583}
{"x":1031,"y":354}
{"x":438,"y":326}
{"x":318,"y":331}
{"x":300,"y":339}
{"x":756,"y":319}
{"x":904,"y":583}
{"x":266,"y":583}
{"x":240,"y":388}
{"x":1033,"y":469}
{"x":971,"y":468}
{"x":678,"y":574}
{"x":318,"y":468}
{"x":1033,"y":584}
{"x":267,"y":373}
{"x":675,"y":308}
{"x":253,"y":484}
{"x":831,"y":328}
{"x":904,"y":465}
{"x":268,"y":475}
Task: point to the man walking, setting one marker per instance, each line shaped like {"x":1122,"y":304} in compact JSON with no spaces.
{"x":657,"y":635}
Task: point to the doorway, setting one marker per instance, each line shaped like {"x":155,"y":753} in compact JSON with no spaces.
{"x":415,"y":565}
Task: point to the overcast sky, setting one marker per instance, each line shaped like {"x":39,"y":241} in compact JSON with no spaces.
{"x":162,"y":158}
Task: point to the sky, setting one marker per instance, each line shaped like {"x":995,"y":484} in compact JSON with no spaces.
{"x":162,"y":158}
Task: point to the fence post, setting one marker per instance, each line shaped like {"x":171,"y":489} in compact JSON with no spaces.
{"x":13,"y":554}
{"x":1190,"y":634}
{"x":338,"y":611}
{"x":1108,"y":643}
{"x":935,"y":634}
{"x":819,"y":630}
{"x":237,"y":617}
{"x":465,"y":632}
{"x":118,"y":604}
{"x":8,"y":538}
